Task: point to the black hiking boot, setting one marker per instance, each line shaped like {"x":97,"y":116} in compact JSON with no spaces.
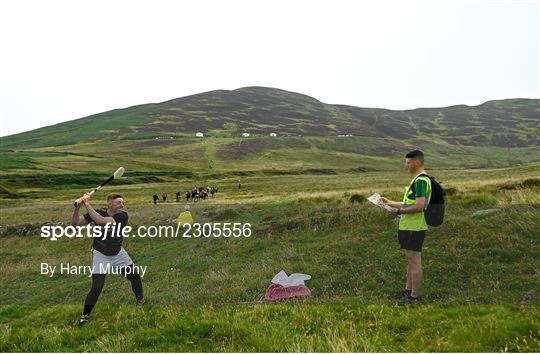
{"x":409,"y":301}
{"x":401,"y":294}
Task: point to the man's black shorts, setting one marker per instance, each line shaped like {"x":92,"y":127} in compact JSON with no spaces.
{"x":411,"y":240}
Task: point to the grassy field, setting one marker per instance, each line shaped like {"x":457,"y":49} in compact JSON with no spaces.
{"x":206,"y":294}
{"x":271,"y":156}
{"x":260,"y":328}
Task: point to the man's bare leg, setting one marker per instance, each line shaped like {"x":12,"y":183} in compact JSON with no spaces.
{"x":408,"y":284}
{"x":416,"y":273}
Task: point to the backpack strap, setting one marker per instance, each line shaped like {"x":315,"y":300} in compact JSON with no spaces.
{"x":424,"y":176}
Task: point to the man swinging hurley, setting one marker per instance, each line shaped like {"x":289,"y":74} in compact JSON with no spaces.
{"x":107,"y":250}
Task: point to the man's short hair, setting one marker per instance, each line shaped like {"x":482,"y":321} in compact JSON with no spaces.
{"x":113,"y":196}
{"x":416,"y":155}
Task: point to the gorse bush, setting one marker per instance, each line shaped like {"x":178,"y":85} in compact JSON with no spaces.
{"x":527,"y":183}
{"x":357,"y":198}
{"x":450,"y":191}
{"x":475,"y":199}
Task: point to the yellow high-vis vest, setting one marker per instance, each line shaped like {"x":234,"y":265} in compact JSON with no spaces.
{"x":416,"y":221}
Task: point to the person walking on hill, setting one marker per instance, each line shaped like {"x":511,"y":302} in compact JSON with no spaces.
{"x":156,"y":198}
{"x":412,"y":224}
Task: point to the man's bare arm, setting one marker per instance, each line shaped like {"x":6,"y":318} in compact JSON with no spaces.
{"x":392,"y":203}
{"x":76,"y":219}
{"x":98,"y":219}
{"x":415,"y":208}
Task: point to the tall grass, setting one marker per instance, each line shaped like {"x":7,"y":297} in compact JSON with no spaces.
{"x":260,"y":328}
{"x":480,"y":291}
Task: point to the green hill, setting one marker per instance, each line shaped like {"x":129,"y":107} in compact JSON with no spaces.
{"x":260,"y":110}
{"x":311,"y":136}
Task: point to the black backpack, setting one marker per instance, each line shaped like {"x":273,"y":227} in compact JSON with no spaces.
{"x":434,"y":212}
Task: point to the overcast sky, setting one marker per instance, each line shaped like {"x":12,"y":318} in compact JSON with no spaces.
{"x":62,"y":60}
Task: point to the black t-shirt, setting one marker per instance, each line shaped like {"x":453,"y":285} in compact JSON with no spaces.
{"x":111,"y":244}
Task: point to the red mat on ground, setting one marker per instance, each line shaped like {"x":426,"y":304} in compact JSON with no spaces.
{"x":276,"y":292}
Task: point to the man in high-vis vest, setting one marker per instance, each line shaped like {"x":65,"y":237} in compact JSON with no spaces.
{"x":412,"y":224}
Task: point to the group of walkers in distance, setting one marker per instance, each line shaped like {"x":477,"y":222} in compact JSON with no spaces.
{"x":198,"y":193}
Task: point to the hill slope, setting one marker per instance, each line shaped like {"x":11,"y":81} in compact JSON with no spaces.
{"x":260,"y":110}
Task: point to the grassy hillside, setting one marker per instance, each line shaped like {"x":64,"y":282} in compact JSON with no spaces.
{"x":304,"y":195}
{"x":260,"y":110}
{"x":480,"y":294}
{"x":214,"y":158}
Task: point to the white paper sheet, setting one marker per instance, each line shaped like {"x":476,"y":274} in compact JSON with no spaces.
{"x":294,"y":279}
{"x":375,"y":198}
